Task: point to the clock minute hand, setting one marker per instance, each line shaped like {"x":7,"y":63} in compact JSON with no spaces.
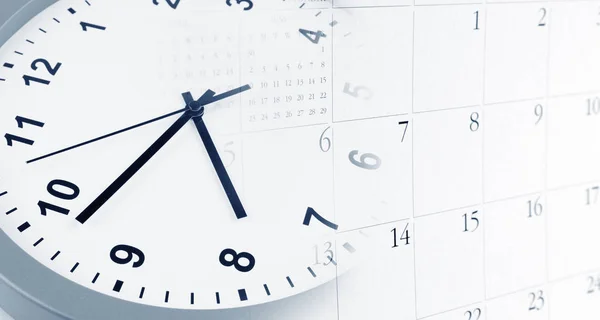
{"x":90,"y":210}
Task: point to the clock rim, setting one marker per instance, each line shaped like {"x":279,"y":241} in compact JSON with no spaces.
{"x":30,"y":290}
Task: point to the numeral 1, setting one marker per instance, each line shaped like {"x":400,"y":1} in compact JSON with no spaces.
{"x":85,"y":26}
{"x":476,"y":13}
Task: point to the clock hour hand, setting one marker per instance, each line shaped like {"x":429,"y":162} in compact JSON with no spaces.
{"x":142,"y":160}
{"x":232,"y":195}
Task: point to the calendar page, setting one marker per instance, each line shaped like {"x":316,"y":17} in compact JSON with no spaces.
{"x":443,"y":152}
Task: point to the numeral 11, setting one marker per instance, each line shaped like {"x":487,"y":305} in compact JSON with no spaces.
{"x":10,"y":138}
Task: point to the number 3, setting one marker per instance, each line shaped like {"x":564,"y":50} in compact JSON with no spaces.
{"x":248,"y":2}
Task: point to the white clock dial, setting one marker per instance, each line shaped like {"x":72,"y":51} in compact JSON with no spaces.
{"x":171,"y":232}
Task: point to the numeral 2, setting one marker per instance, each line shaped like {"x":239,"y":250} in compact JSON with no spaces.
{"x":172,"y":4}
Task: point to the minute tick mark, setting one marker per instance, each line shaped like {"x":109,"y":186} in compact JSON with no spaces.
{"x":24,"y":226}
{"x":57,"y":21}
{"x":243,"y":295}
{"x":42,"y":30}
{"x":142,"y":292}
{"x":118,"y":286}
{"x":290,"y":281}
{"x":38,"y":242}
{"x":95,"y":277}
{"x":267,"y":289}
{"x":30,"y":41}
{"x":75,"y":267}
{"x":11,"y":211}
{"x":312,"y":272}
{"x":3,"y":193}
{"x":55,"y":255}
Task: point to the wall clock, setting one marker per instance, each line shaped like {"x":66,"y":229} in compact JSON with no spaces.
{"x":294,"y":159}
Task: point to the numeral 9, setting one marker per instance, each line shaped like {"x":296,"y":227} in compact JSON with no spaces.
{"x":131,"y":252}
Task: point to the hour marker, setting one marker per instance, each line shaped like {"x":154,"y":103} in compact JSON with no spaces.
{"x":167,"y":297}
{"x":333,"y":23}
{"x":218,"y":298}
{"x":42,"y":30}
{"x":142,"y":292}
{"x":3,"y":193}
{"x":75,"y":267}
{"x":311,"y":272}
{"x":38,"y":242}
{"x":11,"y":211}
{"x":290,"y":281}
{"x":57,"y":21}
{"x":349,"y":247}
{"x":72,"y":11}
{"x":192,"y":298}
{"x":24,"y":227}
{"x":243,"y":295}
{"x":30,"y":41}
{"x":2,"y":79}
{"x":87,"y":3}
{"x":55,"y":255}
{"x":95,"y":277}
{"x":8,"y":65}
{"x":267,"y":289}
{"x":118,"y":286}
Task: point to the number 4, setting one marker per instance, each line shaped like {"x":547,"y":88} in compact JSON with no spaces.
{"x":313,"y":36}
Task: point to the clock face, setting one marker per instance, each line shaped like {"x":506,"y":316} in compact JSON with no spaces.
{"x":115,"y":179}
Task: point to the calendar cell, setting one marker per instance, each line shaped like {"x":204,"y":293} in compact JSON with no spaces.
{"x":271,"y":183}
{"x":576,"y":298}
{"x":531,"y":304}
{"x":449,"y":256}
{"x":372,"y":62}
{"x":519,"y":262}
{"x":516,"y":52}
{"x":448,"y":57}
{"x":573,"y":230}
{"x":574,"y":49}
{"x":373,"y":171}
{"x":572,"y":122}
{"x":447,"y":160}
{"x":514,"y":149}
{"x":370,"y":3}
{"x":381,"y":284}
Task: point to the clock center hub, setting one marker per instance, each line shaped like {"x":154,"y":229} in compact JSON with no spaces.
{"x":196,"y":108}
